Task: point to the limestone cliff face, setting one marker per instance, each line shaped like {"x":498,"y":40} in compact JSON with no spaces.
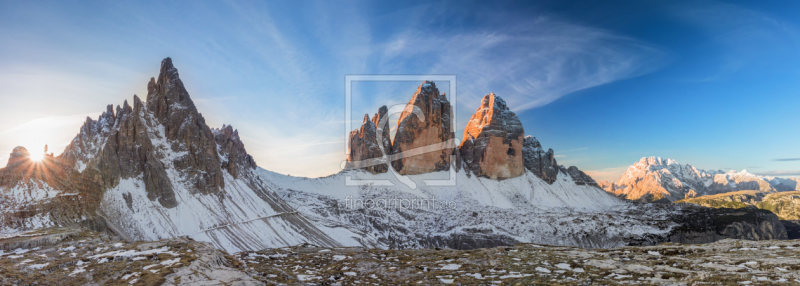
{"x":381,"y":121}
{"x":364,"y":148}
{"x":540,"y":163}
{"x":185,"y":129}
{"x":608,"y":186}
{"x":231,"y":150}
{"x":424,"y":124}
{"x":493,"y":139}
{"x":494,"y":144}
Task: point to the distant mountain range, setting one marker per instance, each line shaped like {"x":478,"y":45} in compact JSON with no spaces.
{"x":655,"y":179}
{"x":154,"y":169}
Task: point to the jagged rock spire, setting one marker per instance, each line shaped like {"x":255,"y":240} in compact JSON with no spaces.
{"x":433,"y":127}
{"x":364,"y":145}
{"x":493,"y":140}
{"x":381,"y":120}
{"x":234,"y":156}
{"x":138,"y":140}
{"x":540,"y":163}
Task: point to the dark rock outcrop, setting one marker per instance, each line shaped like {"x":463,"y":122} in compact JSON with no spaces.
{"x":381,"y":120}
{"x":540,"y":163}
{"x":792,"y":228}
{"x":364,"y":148}
{"x":129,"y":152}
{"x":41,"y":178}
{"x":424,"y":142}
{"x":231,"y":150}
{"x":185,"y":129}
{"x":578,"y":176}
{"x":704,"y":225}
{"x":493,"y":140}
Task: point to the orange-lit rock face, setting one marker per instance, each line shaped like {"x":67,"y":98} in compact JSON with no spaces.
{"x":364,"y":145}
{"x":654,"y":178}
{"x":498,"y":163}
{"x":433,"y":133}
{"x":493,"y":138}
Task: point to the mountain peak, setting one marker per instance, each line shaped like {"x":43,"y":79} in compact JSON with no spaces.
{"x":425,"y":120}
{"x":493,"y":116}
{"x":19,"y":154}
{"x":167,"y":69}
{"x":657,"y":161}
{"x":427,"y":85}
{"x":166,"y":62}
{"x":167,"y":98}
{"x":496,"y":150}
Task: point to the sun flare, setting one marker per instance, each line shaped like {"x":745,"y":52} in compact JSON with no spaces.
{"x":36,"y":156}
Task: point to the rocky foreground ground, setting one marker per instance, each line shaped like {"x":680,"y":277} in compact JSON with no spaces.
{"x":66,"y":256}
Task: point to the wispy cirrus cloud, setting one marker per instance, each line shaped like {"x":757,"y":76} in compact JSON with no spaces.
{"x":787,"y":159}
{"x":529,"y":62}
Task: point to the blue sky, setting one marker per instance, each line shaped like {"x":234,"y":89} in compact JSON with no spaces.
{"x":713,"y":84}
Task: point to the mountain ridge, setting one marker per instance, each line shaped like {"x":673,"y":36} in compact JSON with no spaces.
{"x":654,"y":179}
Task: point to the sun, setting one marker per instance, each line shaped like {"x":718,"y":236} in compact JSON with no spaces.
{"x":36,"y":156}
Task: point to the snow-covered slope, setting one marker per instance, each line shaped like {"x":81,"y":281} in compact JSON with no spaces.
{"x":476,"y":212}
{"x":241,"y":218}
{"x":523,"y":191}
